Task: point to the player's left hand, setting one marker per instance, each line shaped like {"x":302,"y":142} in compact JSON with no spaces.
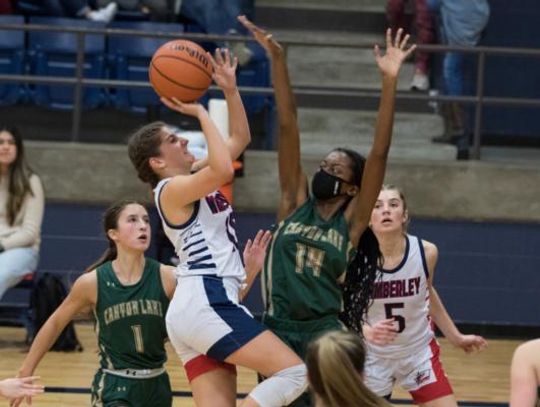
{"x":396,"y":52}
{"x":255,"y":252}
{"x":471,"y":343}
{"x":224,"y":69}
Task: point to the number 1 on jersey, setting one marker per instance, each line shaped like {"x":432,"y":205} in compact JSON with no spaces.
{"x":137,"y":335}
{"x":308,"y":257}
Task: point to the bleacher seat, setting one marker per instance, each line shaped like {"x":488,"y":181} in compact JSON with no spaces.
{"x":129,"y":58}
{"x":55,"y":54}
{"x":12,"y":54}
{"x":15,"y":304}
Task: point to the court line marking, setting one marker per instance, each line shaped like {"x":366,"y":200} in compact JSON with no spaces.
{"x":85,"y":390}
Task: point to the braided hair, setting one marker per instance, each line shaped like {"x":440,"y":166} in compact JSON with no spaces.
{"x":363,"y":270}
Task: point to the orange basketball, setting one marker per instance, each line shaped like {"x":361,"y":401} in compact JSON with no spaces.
{"x":180,"y":69}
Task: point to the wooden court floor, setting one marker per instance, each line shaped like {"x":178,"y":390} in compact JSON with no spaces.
{"x":479,"y":378}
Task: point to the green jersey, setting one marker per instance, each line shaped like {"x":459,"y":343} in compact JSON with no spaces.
{"x":131,"y":319}
{"x":306,"y":260}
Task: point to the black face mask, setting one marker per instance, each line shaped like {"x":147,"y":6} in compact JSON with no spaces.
{"x":325,"y":186}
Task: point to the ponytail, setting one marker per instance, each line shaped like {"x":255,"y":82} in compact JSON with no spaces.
{"x":360,"y":278}
{"x":109,"y":254}
{"x":110,"y":221}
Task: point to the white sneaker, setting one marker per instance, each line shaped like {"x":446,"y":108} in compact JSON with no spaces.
{"x":105,"y":14}
{"x":239,"y":49}
{"x":420,"y":81}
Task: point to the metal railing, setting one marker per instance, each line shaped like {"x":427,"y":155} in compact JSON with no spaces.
{"x":479,"y":99}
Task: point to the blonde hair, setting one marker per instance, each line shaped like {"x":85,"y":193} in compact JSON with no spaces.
{"x":335,"y":364}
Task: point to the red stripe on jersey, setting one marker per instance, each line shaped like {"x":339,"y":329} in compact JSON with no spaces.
{"x":438,"y":389}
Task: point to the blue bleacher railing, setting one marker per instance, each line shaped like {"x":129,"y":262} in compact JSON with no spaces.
{"x":79,"y":81}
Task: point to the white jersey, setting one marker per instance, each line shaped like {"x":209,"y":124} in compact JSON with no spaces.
{"x":206,"y":244}
{"x":403,"y":294}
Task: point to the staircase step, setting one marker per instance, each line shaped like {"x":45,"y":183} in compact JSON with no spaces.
{"x":324,"y":129}
{"x":346,"y":5}
{"x":322,"y":15}
{"x":351,"y":68}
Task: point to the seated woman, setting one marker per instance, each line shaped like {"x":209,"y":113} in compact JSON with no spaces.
{"x":21,"y":211}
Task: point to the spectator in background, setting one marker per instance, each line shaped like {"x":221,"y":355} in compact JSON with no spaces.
{"x":525,"y":375}
{"x":79,"y":9}
{"x":395,"y":13}
{"x":460,"y":23}
{"x":220,"y":17}
{"x":335,"y":364}
{"x":21,"y":211}
{"x":6,"y":7}
{"x":154,"y":10}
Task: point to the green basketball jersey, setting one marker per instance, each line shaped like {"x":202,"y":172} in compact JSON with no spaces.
{"x":131,"y":319}
{"x":305,"y":262}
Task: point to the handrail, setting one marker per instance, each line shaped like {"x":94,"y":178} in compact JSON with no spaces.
{"x":79,"y":81}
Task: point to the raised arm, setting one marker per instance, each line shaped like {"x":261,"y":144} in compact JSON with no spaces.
{"x":82,"y":296}
{"x":292,"y":178}
{"x":469,"y":343}
{"x":359,"y":211}
{"x":225,"y":77}
{"x":183,"y":190}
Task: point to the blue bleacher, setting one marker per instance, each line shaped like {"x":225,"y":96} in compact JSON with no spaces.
{"x":12,"y":52}
{"x":129,"y":58}
{"x":55,"y":54}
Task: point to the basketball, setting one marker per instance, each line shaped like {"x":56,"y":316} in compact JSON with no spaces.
{"x":180,"y":69}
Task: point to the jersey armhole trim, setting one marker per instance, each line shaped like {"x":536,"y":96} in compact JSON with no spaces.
{"x":188,"y":222}
{"x":423,"y":255}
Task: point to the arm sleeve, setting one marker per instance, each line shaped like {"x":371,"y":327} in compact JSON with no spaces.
{"x":30,"y":229}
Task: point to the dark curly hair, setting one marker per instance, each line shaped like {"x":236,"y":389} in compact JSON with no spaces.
{"x":143,"y":145}
{"x":363,"y":270}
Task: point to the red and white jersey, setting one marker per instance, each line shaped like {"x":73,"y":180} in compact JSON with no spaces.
{"x":206,"y":244}
{"x":403,"y":294}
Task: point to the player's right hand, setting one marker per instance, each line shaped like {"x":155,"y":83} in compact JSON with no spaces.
{"x":191,"y":109}
{"x":381,"y":333}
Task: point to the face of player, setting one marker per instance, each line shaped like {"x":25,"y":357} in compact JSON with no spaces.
{"x":8,"y":149}
{"x":340,"y":165}
{"x":175,"y":156}
{"x":389,"y":214}
{"x":133,"y":229}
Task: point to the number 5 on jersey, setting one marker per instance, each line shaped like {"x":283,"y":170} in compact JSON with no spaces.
{"x":390,"y":309}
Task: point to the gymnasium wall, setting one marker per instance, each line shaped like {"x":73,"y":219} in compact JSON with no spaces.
{"x":487,"y":272}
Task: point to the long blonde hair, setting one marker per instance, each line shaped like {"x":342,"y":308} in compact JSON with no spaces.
{"x":335,"y":364}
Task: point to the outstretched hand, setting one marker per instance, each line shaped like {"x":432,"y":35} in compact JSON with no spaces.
{"x":396,"y":52}
{"x":17,"y":388}
{"x":255,"y":252}
{"x":224,"y":69}
{"x":264,"y":38}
